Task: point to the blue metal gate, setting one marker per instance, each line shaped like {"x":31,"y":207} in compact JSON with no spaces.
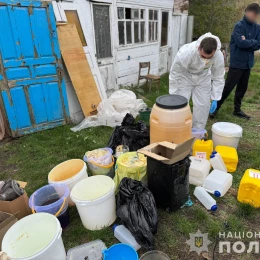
{"x":32,"y":89}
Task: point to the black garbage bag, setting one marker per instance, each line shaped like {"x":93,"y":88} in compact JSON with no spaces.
{"x":134,"y":135}
{"x":137,"y":209}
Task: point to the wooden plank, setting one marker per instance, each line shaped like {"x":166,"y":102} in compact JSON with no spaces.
{"x":78,"y":68}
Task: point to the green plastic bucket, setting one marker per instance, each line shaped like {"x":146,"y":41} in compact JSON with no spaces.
{"x":145,"y":115}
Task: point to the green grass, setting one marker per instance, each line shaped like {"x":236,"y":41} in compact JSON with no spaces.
{"x":30,"y":158}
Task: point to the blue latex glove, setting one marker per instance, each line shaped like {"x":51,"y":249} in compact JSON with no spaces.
{"x":213,"y":107}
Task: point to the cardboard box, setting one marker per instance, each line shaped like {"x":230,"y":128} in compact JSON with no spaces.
{"x":6,"y":221}
{"x":20,"y":204}
{"x":167,"y":152}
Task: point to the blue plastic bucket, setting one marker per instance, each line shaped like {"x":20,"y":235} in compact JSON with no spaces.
{"x":119,"y":252}
{"x":52,"y":199}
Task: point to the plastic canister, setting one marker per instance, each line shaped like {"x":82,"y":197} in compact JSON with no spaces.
{"x":35,"y":237}
{"x":202,"y":149}
{"x":230,"y":157}
{"x":218,"y":183}
{"x":249,"y":188}
{"x":171,"y":120}
{"x":217,"y":163}
{"x":95,"y":201}
{"x":68,"y":173}
{"x":199,"y":170}
{"x":125,"y":236}
{"x":226,"y":134}
{"x":206,"y":200}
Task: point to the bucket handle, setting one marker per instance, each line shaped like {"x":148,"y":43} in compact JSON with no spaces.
{"x":58,"y":212}
{"x":104,"y":166}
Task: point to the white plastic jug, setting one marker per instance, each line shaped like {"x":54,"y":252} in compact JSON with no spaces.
{"x":218,"y":183}
{"x":125,"y":236}
{"x":199,"y":170}
{"x":206,"y":200}
{"x":217,"y":163}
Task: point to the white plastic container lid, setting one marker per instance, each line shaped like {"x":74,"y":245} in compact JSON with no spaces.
{"x":92,"y":251}
{"x":92,"y":188}
{"x":227,"y":129}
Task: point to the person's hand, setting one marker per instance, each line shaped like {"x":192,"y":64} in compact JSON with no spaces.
{"x":213,"y":106}
{"x":243,"y":37}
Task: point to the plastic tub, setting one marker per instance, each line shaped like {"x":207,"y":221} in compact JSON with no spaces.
{"x":95,"y":200}
{"x":171,"y":120}
{"x":145,"y":114}
{"x":92,"y":251}
{"x":52,"y":199}
{"x":69,"y":173}
{"x":35,"y":237}
{"x":154,"y":255}
{"x":119,"y":252}
{"x":199,"y":133}
{"x":226,"y":134}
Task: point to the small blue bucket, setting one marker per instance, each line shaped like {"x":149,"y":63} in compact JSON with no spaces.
{"x":119,"y":252}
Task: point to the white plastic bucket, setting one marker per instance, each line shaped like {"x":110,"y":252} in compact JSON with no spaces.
{"x":95,"y":200}
{"x":69,"y":173}
{"x":37,"y":236}
{"x":226,"y":134}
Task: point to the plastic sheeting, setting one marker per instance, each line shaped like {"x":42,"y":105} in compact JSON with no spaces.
{"x":112,"y":111}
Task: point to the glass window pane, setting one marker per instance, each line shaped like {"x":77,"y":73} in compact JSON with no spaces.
{"x":136,"y":30}
{"x":127,"y":13}
{"x":72,"y":17}
{"x":150,"y":31}
{"x":150,"y":14}
{"x":102,"y":31}
{"x":129,"y":32}
{"x":135,"y":13}
{"x":121,"y":31}
{"x":142,"y":14}
{"x":155,"y":15}
{"x":164,"y":34}
{"x":156,"y":31}
{"x":142,"y":31}
{"x":120,"y":13}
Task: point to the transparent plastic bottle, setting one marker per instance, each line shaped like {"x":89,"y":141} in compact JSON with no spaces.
{"x":125,"y":236}
{"x":220,"y":158}
{"x":217,"y":164}
{"x":206,"y":200}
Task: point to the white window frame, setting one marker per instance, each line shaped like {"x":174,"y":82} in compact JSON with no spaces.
{"x":156,"y":36}
{"x":139,"y":20}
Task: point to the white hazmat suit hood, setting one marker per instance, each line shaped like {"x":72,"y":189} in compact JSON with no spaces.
{"x":202,"y":78}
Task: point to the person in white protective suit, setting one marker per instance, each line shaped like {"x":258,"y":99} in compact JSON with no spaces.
{"x":198,"y":70}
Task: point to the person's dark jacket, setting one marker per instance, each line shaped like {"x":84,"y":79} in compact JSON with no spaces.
{"x":242,"y":51}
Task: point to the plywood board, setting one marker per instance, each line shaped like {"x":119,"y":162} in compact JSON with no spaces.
{"x":78,"y":68}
